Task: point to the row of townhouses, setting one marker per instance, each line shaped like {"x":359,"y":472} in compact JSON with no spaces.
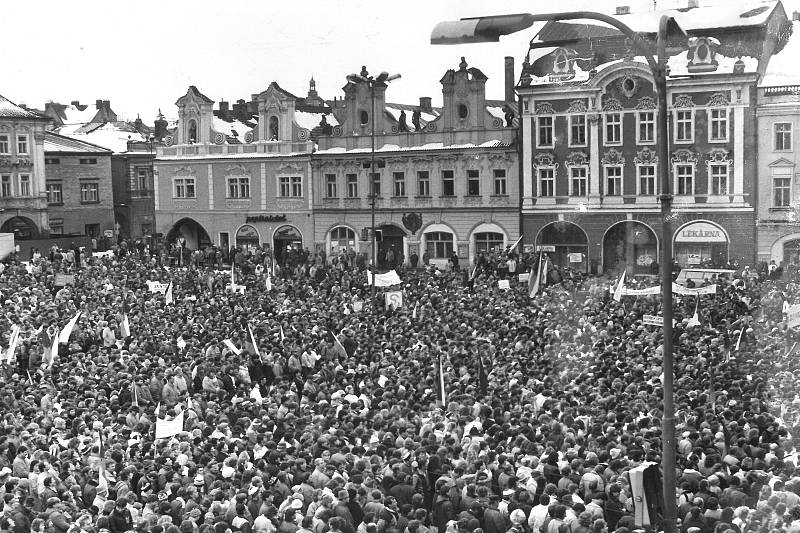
{"x":567,"y":158}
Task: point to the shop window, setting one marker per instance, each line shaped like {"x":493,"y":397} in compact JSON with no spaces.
{"x":439,"y":244}
{"x":488,"y":242}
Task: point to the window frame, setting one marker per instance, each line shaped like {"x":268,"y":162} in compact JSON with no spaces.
{"x":551,"y":128}
{"x":290,"y":186}
{"x":5,"y":143}
{"x":6,"y":179}
{"x":677,"y":177}
{"x":449,"y":176}
{"x":426,"y":180}
{"x":540,"y":179}
{"x":782,"y":173}
{"x":473,"y":178}
{"x":434,"y":243}
{"x":676,"y":126}
{"x":51,"y":191}
{"x":331,"y":185}
{"x":572,"y":125}
{"x":775,"y":135}
{"x":186,"y":183}
{"x":606,"y":178}
{"x":616,"y":124}
{"x":500,"y":182}
{"x":584,"y":178}
{"x":238,"y":187}
{"x":483,"y":244}
{"x":640,"y":122}
{"x":375,"y":184}
{"x":639,"y":177}
{"x":712,"y":121}
{"x":351,"y":180}
{"x":23,"y":140}
{"x":399,"y":185}
{"x":142,"y":179}
{"x":90,"y":192}
{"x":712,"y":177}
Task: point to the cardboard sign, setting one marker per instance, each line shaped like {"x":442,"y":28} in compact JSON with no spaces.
{"x":793,"y":316}
{"x":523,"y":278}
{"x":394,"y":299}
{"x":651,"y":320}
{"x":504,"y":284}
{"x":62,"y":280}
{"x":156,"y":286}
{"x":575,"y":257}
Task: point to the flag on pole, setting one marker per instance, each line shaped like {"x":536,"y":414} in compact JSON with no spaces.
{"x":232,"y":347}
{"x":253,"y":340}
{"x":63,"y":338}
{"x":168,"y":297}
{"x":339,"y":344}
{"x":50,"y":354}
{"x":516,"y":243}
{"x":125,"y":328}
{"x":442,"y":394}
{"x":233,"y":273}
{"x":135,"y":395}
{"x":620,"y":287}
{"x":414,"y":312}
{"x":533,"y":281}
{"x":181,"y":343}
{"x":255,"y":395}
{"x":739,"y":340}
{"x":283,"y":337}
{"x":13,"y":339}
{"x":168,"y":428}
{"x":268,"y":282}
{"x":189,"y":404}
{"x":695,"y":320}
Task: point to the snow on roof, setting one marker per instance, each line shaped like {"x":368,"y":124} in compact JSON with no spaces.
{"x":10,"y":109}
{"x":783,"y":68}
{"x":729,"y":14}
{"x":228,"y":128}
{"x":679,"y":64}
{"x":395,"y":109}
{"x":114,"y":136}
{"x":73,"y":114}
{"x":429,"y":146}
{"x":59,"y":143}
{"x":496,"y":112}
{"x":309,"y":120}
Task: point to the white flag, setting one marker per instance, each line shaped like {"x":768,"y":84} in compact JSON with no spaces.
{"x":53,"y":352}
{"x":168,"y":428}
{"x":386,"y":279}
{"x":169,"y":299}
{"x":253,"y":340}
{"x":63,"y":337}
{"x":12,"y":344}
{"x":255,"y":395}
{"x":695,"y":320}
{"x":620,"y":287}
{"x":181,"y":343}
{"x":232,"y":347}
{"x":125,"y":328}
{"x":268,"y":282}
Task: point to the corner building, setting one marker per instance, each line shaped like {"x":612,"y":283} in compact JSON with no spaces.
{"x":590,"y":180}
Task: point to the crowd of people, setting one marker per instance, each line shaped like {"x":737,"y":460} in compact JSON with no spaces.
{"x":307,"y":408}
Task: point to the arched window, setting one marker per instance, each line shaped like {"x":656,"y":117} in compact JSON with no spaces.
{"x":247,"y":237}
{"x":488,"y":242}
{"x":192,"y":131}
{"x":463,"y":111}
{"x":274,"y":128}
{"x":342,"y":239}
{"x":439,"y":244}
{"x":364,"y":118}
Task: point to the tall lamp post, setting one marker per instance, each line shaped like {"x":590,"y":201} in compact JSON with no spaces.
{"x":372,"y":81}
{"x":490,"y":29}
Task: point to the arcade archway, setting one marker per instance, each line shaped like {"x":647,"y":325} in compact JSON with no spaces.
{"x":566,"y":243}
{"x":23,"y":228}
{"x":247,"y":237}
{"x":287,"y":243}
{"x":630,"y":245}
{"x":195,"y":236}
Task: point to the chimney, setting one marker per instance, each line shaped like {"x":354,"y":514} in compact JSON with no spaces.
{"x":223,"y":109}
{"x":425,"y":104}
{"x":691,"y":4}
{"x":623,"y":10}
{"x":98,"y":104}
{"x":796,"y":15}
{"x":509,"y":72}
{"x":76,"y":103}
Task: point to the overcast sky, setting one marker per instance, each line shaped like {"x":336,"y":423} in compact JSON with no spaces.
{"x":142,"y":56}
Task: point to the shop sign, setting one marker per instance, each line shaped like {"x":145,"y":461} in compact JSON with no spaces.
{"x":575,"y":257}
{"x":546,"y":248}
{"x":701,"y":232}
{"x":266,"y":218}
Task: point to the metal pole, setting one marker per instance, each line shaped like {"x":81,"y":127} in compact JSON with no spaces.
{"x":668,"y":419}
{"x":372,"y":193}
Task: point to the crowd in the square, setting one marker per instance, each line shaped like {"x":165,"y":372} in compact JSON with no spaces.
{"x":327,"y":417}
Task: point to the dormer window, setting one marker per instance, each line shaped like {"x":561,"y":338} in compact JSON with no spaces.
{"x":562,"y":63}
{"x":274,"y":128}
{"x":363,"y":118}
{"x":702,"y":52}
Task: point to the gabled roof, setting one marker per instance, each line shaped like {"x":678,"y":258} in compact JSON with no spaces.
{"x":11,"y":110}
{"x":565,"y":31}
{"x":725,"y":15}
{"x":196,"y":94}
{"x":59,"y":143}
{"x":783,"y":68}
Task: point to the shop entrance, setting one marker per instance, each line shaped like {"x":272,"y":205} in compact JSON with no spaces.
{"x":288,"y":243}
{"x":569,"y":242}
{"x":247,"y":237}
{"x":630,"y":246}
{"x":701,"y":244}
{"x":390,"y":246}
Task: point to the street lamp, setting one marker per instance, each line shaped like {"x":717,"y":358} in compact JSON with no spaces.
{"x":382,"y":79}
{"x":490,"y":29}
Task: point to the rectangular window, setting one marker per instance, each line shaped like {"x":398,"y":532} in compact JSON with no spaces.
{"x":647,"y":180}
{"x":90,"y":192}
{"x":613,"y":128}
{"x":577,"y":130}
{"x":684,"y":176}
{"x":22,"y":144}
{"x":473,"y":183}
{"x":647,"y":127}
{"x":5,"y":185}
{"x":578,"y":181}
{"x":500,"y":182}
{"x":91,"y":230}
{"x":24,"y":184}
{"x":719,"y":179}
{"x":297,"y":186}
{"x":375,"y":178}
{"x":613,"y":181}
{"x":330,"y":186}
{"x":783,"y":136}
{"x":399,"y":183}
{"x":352,"y":185}
{"x":239,"y":187}
{"x":448,"y":183}
{"x":88,"y":161}
{"x":547,"y":182}
{"x":142,"y":180}
{"x":184,"y":188}
{"x":56,"y":227}
{"x":423,"y":183}
{"x":4,"y":144}
{"x":718,"y":125}
{"x":51,"y":161}
{"x":54,"y":193}
{"x":290,"y":186}
{"x":684,"y":126}
{"x":544,"y":137}
{"x":781,"y":191}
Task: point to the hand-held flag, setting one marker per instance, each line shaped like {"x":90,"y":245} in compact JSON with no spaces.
{"x":253,"y":340}
{"x":125,"y":328}
{"x":620,"y":287}
{"x":534,"y":281}
{"x":63,"y":337}
{"x":232,"y":347}
{"x":516,"y":243}
{"x":168,"y":428}
{"x":268,"y":282}
{"x":169,"y":298}
{"x":12,"y":344}
{"x":441,"y":393}
{"x":181,"y":343}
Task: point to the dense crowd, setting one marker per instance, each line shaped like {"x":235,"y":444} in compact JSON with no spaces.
{"x":331,"y":422}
